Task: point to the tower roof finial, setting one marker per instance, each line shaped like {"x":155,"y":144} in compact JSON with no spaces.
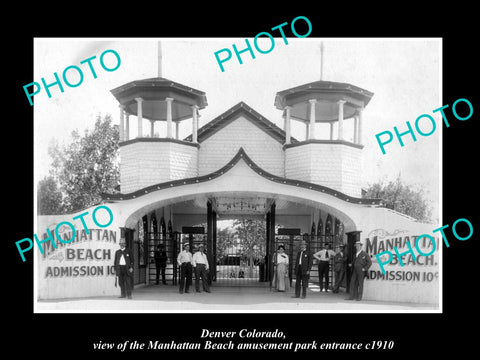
{"x":321,"y":60}
{"x":159,"y":46}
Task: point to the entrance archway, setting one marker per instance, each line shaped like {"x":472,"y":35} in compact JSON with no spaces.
{"x":241,"y":188}
{"x":233,"y":264}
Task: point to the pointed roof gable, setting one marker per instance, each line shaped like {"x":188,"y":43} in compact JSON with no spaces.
{"x":234,"y":113}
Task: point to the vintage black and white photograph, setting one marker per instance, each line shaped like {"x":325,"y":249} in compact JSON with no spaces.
{"x":232,"y":175}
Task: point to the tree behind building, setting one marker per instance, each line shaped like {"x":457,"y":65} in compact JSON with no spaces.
{"x":82,"y":169}
{"x":401,"y":197}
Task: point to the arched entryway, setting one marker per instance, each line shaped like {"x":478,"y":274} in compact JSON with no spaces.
{"x":240,"y":188}
{"x":286,"y":220}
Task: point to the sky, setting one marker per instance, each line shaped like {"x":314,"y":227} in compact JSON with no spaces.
{"x":403,"y":74}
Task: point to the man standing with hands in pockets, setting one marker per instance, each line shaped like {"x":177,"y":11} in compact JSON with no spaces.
{"x":184,"y":261}
{"x":200,"y":264}
{"x":323,"y":257}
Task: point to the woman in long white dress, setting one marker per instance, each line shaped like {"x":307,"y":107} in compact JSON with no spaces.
{"x":281,"y":281}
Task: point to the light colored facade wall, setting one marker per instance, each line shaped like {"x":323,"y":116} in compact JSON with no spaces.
{"x":183,"y":161}
{"x":336,"y":166}
{"x":149,"y":163}
{"x":221,"y":147}
{"x":351,"y":170}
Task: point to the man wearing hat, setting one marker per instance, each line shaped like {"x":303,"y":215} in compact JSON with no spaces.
{"x":200,"y":264}
{"x":303,"y":264}
{"x":340,"y":267}
{"x":184,"y":261}
{"x":123,"y":264}
{"x":160,"y":257}
{"x":360,"y":265}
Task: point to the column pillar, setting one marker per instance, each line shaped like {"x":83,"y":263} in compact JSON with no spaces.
{"x":340,"y":119}
{"x":352,"y":237}
{"x":194,"y":123}
{"x":169,"y":117}
{"x":268,"y":251}
{"x":359,"y":135}
{"x":311,"y":134}
{"x":331,"y":130}
{"x":122,"y":125}
{"x":272,"y":238}
{"x":152,"y":122}
{"x":213,"y":256}
{"x":139,"y":116}
{"x":209,"y":232}
{"x":287,"y":124}
{"x":177,"y":129}
{"x":355,"y":129}
{"x":127,"y":126}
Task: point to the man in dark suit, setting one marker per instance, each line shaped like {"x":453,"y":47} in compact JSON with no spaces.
{"x":161,"y":262}
{"x":361,"y":263}
{"x":124,"y":269}
{"x":303,"y":264}
{"x":340,"y":267}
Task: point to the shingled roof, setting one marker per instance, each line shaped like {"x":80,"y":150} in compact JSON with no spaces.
{"x":234,"y":113}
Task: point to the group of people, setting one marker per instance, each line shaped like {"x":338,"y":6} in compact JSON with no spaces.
{"x":359,"y":266}
{"x":198,"y":263}
{"x":189,"y":263}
